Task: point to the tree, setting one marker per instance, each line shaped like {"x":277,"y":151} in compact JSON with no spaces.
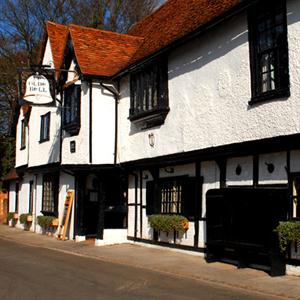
{"x":21,"y":28}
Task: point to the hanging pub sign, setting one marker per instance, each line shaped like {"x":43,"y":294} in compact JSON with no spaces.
{"x":38,"y":90}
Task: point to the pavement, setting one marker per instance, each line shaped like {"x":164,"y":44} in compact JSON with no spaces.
{"x":168,"y":261}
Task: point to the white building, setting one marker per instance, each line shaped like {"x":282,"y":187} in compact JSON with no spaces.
{"x":194,"y":112}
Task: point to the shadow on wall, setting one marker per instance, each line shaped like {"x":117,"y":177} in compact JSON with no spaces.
{"x":55,"y":146}
{"x":210,"y":46}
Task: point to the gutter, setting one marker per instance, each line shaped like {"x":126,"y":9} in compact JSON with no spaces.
{"x":117,"y":97}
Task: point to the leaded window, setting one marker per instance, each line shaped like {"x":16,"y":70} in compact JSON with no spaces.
{"x":269,"y":50}
{"x":71,"y":109}
{"x":23,"y":134}
{"x":45,"y":127}
{"x":174,"y":195}
{"x":50,"y":194}
{"x":149,"y":94}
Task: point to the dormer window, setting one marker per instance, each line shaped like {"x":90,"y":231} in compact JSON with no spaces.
{"x":71,"y":109}
{"x":45,"y":127}
{"x":23,"y":134}
{"x":269,"y":50}
{"x":149,"y":94}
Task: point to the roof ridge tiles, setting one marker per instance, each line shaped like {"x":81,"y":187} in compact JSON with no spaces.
{"x":106,"y":31}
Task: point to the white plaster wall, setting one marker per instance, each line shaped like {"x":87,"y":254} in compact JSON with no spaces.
{"x":211,"y":180}
{"x":209,"y":90}
{"x":103,"y":126}
{"x":12,"y":196}
{"x":48,"y":57}
{"x":279,"y":175}
{"x":66,"y":183}
{"x":131,"y":209}
{"x":81,"y":156}
{"x":47,"y":152}
{"x":24,"y":199}
{"x":21,"y":155}
{"x":246,"y":176}
{"x":180,"y":170}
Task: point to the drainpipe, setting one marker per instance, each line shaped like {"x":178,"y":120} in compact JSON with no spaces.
{"x":91,"y":124}
{"x":116,"y":94}
{"x":35,"y":202}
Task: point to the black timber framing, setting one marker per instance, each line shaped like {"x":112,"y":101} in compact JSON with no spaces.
{"x":255,"y":147}
{"x":198,"y":205}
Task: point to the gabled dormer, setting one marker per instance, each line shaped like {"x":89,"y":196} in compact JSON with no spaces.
{"x":89,"y":107}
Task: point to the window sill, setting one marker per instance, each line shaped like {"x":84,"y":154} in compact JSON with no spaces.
{"x":44,"y":140}
{"x":271,"y":95}
{"x":49,"y":213}
{"x":72,"y":128}
{"x":150,"y":118}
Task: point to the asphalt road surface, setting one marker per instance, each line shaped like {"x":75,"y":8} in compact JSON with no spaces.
{"x":34,"y":273}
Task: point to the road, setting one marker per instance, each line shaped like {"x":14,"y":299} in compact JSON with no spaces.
{"x":34,"y":273}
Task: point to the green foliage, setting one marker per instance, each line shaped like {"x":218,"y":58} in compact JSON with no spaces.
{"x":45,"y":221}
{"x":168,"y":223}
{"x":7,"y":153}
{"x":10,"y":215}
{"x":288,"y":231}
{"x":23,"y":218}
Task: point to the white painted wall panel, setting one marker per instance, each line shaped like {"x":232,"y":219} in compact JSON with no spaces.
{"x":47,"y":152}
{"x":279,"y":175}
{"x":66,"y":183}
{"x":103,"y":127}
{"x":211,"y":180}
{"x":81,"y":156}
{"x":246,"y":175}
{"x":21,"y":155}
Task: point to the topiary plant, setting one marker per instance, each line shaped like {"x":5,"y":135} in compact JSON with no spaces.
{"x":45,"y":221}
{"x":24,"y":218}
{"x":288,"y":231}
{"x":168,"y":223}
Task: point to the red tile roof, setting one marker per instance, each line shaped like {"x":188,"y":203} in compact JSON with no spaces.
{"x":102,"y":53}
{"x":174,"y":20}
{"x":11,"y":175}
{"x":57,"y":35}
{"x":106,"y":53}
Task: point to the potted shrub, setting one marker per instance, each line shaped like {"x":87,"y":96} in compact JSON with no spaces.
{"x":55,"y":222}
{"x":169,"y":223}
{"x":10,"y":218}
{"x":288,"y":231}
{"x":45,"y":222}
{"x":26,"y":220}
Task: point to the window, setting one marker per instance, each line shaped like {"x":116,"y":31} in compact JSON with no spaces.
{"x":30,"y":204}
{"x":71,"y":109}
{"x":17,"y":197}
{"x":149,"y":94}
{"x":23,"y":134}
{"x":296,"y":198}
{"x":174,"y":195}
{"x":50,"y":194}
{"x":268,"y":50}
{"x":45,"y":127}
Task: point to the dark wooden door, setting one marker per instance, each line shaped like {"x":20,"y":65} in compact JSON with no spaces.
{"x":242,"y":221}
